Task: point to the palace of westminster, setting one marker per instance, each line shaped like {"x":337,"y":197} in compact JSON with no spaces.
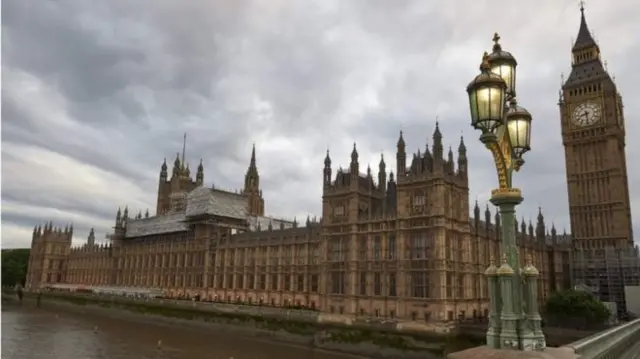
{"x":395,"y":246}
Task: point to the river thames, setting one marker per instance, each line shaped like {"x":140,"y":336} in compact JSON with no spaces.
{"x":29,"y":332}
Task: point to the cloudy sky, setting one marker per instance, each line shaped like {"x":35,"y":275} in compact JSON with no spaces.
{"x":97,"y":93}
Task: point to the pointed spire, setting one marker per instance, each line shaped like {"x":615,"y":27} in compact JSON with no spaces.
{"x":354,"y":154}
{"x":176,"y":165}
{"x":382,"y":164}
{"x":163,"y":168}
{"x":437,"y":135}
{"x":401,"y":143}
{"x":585,"y":38}
{"x":184,"y":147}
{"x":476,"y":210}
{"x":252,"y":163}
{"x":462,"y":149}
{"x":540,"y":216}
{"x":487,"y":215}
{"x":327,"y":160}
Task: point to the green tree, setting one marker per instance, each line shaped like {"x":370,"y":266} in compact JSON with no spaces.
{"x":575,"y":306}
{"x":14,"y":266}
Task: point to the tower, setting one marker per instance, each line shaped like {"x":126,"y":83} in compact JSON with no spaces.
{"x":593,"y":136}
{"x":49,"y":249}
{"x":172,"y":192}
{"x":252,"y":187}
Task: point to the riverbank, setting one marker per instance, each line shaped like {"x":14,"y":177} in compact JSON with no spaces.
{"x":295,"y":327}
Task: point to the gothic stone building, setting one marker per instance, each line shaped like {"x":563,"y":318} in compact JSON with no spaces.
{"x":401,"y":247}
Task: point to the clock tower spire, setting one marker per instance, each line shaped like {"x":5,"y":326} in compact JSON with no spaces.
{"x":593,"y":136}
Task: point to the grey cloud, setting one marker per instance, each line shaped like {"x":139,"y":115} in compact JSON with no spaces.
{"x":115,"y":84}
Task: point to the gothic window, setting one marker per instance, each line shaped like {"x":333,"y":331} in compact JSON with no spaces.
{"x":418,"y":200}
{"x":377,"y":285}
{"x":377,"y":247}
{"x":460,"y":286}
{"x":337,"y":282}
{"x":392,"y":285}
{"x":419,"y":284}
{"x":335,"y":250}
{"x":287,"y":282}
{"x":300,"y":283}
{"x":363,"y":283}
{"x":392,"y":246}
{"x":274,"y":282}
{"x":339,"y":211}
{"x":314,"y":283}
{"x":362,"y":248}
{"x":418,"y":246}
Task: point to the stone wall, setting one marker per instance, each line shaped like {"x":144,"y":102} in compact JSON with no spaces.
{"x":300,"y":327}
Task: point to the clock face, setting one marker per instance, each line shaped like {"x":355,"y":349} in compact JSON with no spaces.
{"x":586,"y":114}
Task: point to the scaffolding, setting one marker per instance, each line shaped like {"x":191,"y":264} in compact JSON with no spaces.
{"x":605,"y":272}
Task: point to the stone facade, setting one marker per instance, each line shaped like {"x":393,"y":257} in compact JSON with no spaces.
{"x":393,"y":248}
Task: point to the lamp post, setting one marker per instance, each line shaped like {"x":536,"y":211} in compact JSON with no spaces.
{"x":506,"y":132}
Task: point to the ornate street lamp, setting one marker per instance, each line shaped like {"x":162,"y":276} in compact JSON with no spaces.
{"x":506,"y":132}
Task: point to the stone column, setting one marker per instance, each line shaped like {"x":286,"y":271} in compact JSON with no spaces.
{"x":533,"y":337}
{"x":493,"y":332}
{"x":508,"y":317}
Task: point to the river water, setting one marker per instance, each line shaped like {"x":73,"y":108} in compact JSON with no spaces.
{"x":32,"y":333}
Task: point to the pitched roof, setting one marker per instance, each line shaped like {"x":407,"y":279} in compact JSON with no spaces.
{"x":584,"y":39}
{"x":207,"y":201}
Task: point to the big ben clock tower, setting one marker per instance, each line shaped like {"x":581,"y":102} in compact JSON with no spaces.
{"x":593,"y":135}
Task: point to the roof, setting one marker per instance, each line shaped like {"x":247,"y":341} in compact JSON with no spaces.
{"x":156,"y":225}
{"x":207,"y":201}
{"x":584,"y":39}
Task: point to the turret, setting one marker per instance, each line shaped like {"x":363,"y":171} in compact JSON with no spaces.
{"x":401,"y":158}
{"x":200,"y":174}
{"x":91,"y":240}
{"x":252,"y":187}
{"x":438,"y":150}
{"x":177,"y":167}
{"x":476,"y":214}
{"x":163,"y":171}
{"x":462,"y":160}
{"x":327,"y":171}
{"x":354,"y":166}
{"x":382,"y":175}
{"x":540,"y":226}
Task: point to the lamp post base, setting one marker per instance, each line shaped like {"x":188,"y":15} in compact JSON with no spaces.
{"x":506,"y":199}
